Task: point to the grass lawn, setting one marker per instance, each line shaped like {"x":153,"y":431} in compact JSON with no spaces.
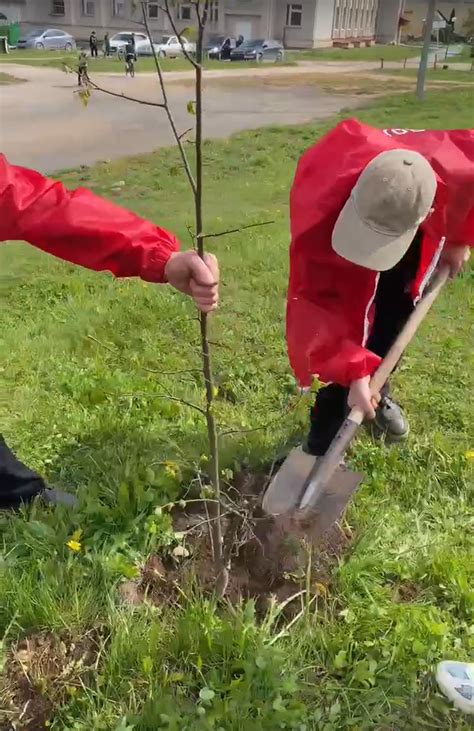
{"x":374,"y":53}
{"x":439,"y":74}
{"x":84,"y":361}
{"x":463,"y":57}
{"x":113,"y":65}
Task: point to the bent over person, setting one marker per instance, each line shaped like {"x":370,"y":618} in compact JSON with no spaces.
{"x":82,"y":228}
{"x":372,"y":213}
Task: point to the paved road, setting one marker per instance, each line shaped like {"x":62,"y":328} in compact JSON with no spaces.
{"x":44,"y":125}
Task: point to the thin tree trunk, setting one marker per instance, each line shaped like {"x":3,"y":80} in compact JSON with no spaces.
{"x":220,"y":568}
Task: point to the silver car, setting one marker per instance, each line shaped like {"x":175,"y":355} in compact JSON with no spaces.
{"x":51,"y":39}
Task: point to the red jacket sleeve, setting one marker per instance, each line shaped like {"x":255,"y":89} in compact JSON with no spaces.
{"x":326,"y":328}
{"x":465,"y":233}
{"x":80,"y":227}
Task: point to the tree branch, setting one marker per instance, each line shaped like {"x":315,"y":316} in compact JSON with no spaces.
{"x":237,"y":230}
{"x":166,"y":105}
{"x":170,"y":398}
{"x":121,"y":95}
{"x":222,"y":574}
{"x":186,"y":54}
{"x":186,"y":132}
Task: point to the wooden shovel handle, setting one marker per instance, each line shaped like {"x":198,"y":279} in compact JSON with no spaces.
{"x":405,"y":336}
{"x":324,"y":468}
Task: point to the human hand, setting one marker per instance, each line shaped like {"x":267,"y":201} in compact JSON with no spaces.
{"x":361,"y":398}
{"x":455,"y":257}
{"x":199,"y":278}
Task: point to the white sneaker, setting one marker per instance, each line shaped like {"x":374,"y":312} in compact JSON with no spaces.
{"x":456,"y":680}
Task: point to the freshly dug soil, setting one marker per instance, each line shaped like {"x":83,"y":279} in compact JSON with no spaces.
{"x":40,"y":672}
{"x":267,"y":558}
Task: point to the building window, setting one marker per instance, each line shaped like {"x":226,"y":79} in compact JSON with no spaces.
{"x":57,"y":7}
{"x":153,"y":10}
{"x":354,"y":18}
{"x":294,"y":15}
{"x":118,"y":8}
{"x":214,"y":11}
{"x":184,"y":11}
{"x":88,"y":7}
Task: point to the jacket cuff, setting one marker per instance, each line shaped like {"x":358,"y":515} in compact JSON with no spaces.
{"x":155,"y":260}
{"x":349,"y":364}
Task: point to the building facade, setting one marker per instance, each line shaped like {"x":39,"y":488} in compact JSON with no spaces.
{"x":388,"y":24}
{"x":303,"y":24}
{"x":414,"y":12}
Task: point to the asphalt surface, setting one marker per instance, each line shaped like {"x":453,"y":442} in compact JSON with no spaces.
{"x":44,"y":125}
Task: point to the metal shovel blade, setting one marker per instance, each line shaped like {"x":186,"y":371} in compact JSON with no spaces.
{"x":284,"y":493}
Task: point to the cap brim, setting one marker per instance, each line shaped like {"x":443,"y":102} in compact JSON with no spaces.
{"x":358,"y":243}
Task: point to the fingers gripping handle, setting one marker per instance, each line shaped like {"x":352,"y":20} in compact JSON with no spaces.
{"x":404,"y":338}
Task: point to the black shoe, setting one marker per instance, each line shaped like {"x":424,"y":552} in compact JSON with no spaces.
{"x":52,"y":496}
{"x":390,"y":422}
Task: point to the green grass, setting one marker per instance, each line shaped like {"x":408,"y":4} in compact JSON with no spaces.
{"x":81,"y":407}
{"x":113,"y":65}
{"x":373,"y":53}
{"x":463,"y":57}
{"x":439,"y":74}
{"x":7,"y":79}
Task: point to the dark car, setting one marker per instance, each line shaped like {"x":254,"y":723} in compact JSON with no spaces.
{"x":221,"y":47}
{"x":259,"y":50}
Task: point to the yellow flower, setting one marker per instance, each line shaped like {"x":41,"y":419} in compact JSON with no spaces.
{"x":470,"y":454}
{"x":74,"y":545}
{"x":171,"y":469}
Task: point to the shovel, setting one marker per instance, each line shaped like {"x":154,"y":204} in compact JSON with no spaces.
{"x":314,"y":492}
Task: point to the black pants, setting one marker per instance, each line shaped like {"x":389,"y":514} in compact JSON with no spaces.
{"x":94,"y":51}
{"x":393,"y":306}
{"x":17,"y":482}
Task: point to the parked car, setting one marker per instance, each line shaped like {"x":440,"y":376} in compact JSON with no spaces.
{"x":50,"y":38}
{"x":171,"y":47}
{"x":142,"y":43}
{"x":259,"y":50}
{"x":220,"y":47}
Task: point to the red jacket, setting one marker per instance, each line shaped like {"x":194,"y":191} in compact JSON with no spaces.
{"x":330,"y":300}
{"x":80,"y":227}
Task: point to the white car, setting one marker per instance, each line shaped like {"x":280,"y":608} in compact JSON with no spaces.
{"x":142,"y":43}
{"x":172,"y":47}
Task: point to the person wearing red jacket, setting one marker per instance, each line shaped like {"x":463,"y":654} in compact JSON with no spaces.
{"x":373,"y":212}
{"x":81,"y":228}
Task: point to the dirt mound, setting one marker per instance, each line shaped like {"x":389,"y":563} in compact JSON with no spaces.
{"x":40,"y":672}
{"x":265,"y":560}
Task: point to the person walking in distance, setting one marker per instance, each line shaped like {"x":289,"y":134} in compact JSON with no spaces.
{"x":93,"y":44}
{"x":106,"y":45}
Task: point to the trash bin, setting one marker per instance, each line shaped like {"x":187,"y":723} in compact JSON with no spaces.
{"x":13,"y":33}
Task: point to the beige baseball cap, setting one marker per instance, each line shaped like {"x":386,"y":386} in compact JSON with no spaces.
{"x":392,"y":197}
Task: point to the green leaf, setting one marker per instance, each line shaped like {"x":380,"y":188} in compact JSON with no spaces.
{"x":123,"y":725}
{"x":189,"y":33}
{"x":206,"y":694}
{"x":278,"y":704}
{"x":419,"y":648}
{"x":147,"y":664}
{"x":191,"y":107}
{"x":340,"y":661}
{"x":84,"y":96}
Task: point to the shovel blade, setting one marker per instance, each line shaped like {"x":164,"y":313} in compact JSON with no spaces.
{"x":331,"y":502}
{"x":283,"y":495}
